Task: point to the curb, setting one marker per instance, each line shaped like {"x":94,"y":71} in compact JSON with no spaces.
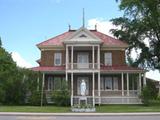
{"x":78,"y":114}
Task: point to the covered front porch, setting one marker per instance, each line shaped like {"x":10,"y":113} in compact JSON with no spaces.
{"x":115,"y":88}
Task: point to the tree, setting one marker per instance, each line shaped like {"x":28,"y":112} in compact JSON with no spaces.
{"x":0,"y":43}
{"x":140,"y":22}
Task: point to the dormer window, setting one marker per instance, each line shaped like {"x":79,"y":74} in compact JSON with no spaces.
{"x":57,"y":59}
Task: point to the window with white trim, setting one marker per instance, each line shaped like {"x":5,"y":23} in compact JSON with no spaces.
{"x":108,"y":58}
{"x":108,"y":83}
{"x":57,"y":59}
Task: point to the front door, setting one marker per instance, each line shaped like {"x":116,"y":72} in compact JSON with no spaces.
{"x":83,"y":60}
{"x":79,"y":80}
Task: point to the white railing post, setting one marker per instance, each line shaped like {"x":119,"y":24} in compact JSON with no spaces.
{"x":93,"y":80}
{"x":67,"y":57}
{"x":72,"y":57}
{"x":71,"y":89}
{"x":93,"y":57}
{"x":99,"y":84}
{"x":122,"y":80}
{"x":98,"y":57}
{"x":127,"y":84}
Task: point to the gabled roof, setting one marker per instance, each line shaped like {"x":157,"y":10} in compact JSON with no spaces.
{"x":83,"y":35}
{"x":106,"y":40}
{"x":110,"y":41}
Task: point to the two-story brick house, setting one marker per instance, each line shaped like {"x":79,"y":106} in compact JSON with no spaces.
{"x":92,"y":56}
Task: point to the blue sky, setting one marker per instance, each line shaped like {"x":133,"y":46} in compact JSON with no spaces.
{"x":24,"y":23}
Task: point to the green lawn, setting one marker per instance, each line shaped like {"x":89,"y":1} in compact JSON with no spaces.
{"x":104,"y":108}
{"x":128,"y":108}
{"x":46,"y":109}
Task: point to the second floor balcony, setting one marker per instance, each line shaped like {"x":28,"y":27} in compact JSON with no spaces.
{"x":82,"y":58}
{"x":82,"y":66}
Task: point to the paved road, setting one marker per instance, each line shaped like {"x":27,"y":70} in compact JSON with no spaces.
{"x":147,"y":117}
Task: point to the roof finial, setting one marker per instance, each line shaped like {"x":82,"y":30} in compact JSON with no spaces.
{"x":96,"y":26}
{"x":83,"y":18}
{"x":69,"y":27}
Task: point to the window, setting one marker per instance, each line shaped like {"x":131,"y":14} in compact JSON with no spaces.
{"x":108,"y":83}
{"x":50,"y":83}
{"x":83,"y":60}
{"x":57,"y":59}
{"x":108,"y":58}
{"x":57,"y":83}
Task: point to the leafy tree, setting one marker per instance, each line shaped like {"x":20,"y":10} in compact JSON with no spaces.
{"x":0,"y":43}
{"x":15,"y":82}
{"x":140,"y":22}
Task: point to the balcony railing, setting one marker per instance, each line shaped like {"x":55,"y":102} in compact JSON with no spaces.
{"x":83,"y":66}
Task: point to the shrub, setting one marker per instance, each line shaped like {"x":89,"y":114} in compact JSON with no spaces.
{"x":61,"y":97}
{"x":35,"y":98}
{"x":153,"y":90}
{"x":146,"y":95}
{"x":2,"y":95}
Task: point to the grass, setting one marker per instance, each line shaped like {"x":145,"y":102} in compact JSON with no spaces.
{"x":127,"y":108}
{"x":103,"y":108}
{"x":45,"y":109}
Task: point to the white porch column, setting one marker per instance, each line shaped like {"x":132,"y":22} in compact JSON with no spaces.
{"x":99,"y":87}
{"x":66,"y":76}
{"x":127,"y":84}
{"x":144,"y":79}
{"x":93,"y":57}
{"x":98,"y":57}
{"x":71,"y":89}
{"x":93,"y":86}
{"x":42,"y":89}
{"x":67,"y":57}
{"x":122,"y":80}
{"x":140,"y":84}
{"x":72,"y":57}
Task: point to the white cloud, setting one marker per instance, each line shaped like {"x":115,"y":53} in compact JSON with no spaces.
{"x":20,"y":61}
{"x":104,"y":26}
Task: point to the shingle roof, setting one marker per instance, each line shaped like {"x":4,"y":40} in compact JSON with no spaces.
{"x":103,"y":68}
{"x":106,"y":40}
{"x":48,"y":69}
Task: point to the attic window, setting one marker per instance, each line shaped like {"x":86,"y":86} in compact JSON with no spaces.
{"x":82,"y":36}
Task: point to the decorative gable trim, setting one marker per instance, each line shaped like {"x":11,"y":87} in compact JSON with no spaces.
{"x":82,"y":35}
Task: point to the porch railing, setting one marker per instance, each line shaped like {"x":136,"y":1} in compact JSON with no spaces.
{"x":86,"y":66}
{"x":107,"y":97}
{"x":116,"y":93}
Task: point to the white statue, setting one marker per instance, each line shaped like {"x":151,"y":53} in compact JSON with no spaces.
{"x":83,"y":88}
